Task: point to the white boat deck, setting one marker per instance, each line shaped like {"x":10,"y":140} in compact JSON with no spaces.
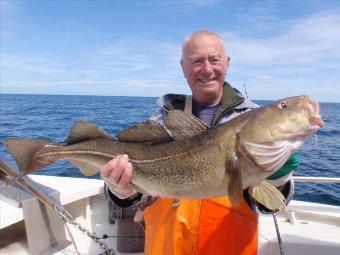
{"x":71,"y":190}
{"x":312,"y":229}
{"x":306,"y":228}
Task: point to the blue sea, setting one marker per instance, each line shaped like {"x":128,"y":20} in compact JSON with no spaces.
{"x":51,"y":117}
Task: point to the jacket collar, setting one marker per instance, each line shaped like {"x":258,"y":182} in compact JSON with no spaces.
{"x":230,"y":99}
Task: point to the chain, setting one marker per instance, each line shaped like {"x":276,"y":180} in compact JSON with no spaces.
{"x":66,"y":217}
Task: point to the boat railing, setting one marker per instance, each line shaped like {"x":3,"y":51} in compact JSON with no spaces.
{"x":309,"y":212}
{"x":316,"y":179}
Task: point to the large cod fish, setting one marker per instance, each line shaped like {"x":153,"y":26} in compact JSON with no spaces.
{"x":187,"y":160}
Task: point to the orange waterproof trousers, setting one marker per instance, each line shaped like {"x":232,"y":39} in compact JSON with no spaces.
{"x":200,"y":227}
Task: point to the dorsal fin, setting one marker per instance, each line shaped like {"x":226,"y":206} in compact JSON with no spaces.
{"x":188,"y":104}
{"x":85,"y":130}
{"x":145,"y":132}
{"x":183,"y":124}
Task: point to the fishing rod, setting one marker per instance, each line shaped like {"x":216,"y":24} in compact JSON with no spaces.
{"x":278,"y":234}
{"x":245,"y":90}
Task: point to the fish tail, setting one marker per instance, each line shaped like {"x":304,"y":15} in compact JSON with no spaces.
{"x":25,"y":153}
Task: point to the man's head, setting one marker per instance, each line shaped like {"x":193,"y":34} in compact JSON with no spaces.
{"x":205,"y":64}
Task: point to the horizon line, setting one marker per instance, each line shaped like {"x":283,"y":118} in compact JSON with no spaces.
{"x":40,"y":94}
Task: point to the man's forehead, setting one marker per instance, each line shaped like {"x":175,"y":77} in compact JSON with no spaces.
{"x":200,"y":41}
{"x":203,"y":45}
{"x":205,"y":41}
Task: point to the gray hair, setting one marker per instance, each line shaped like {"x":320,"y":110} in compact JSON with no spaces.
{"x":198,"y":34}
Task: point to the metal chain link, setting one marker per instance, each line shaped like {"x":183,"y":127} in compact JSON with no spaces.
{"x":70,"y":219}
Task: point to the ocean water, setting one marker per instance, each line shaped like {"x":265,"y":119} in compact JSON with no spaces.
{"x":51,"y":117}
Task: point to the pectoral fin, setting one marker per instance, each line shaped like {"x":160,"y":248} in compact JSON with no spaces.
{"x":235,"y":187}
{"x":267,"y":195}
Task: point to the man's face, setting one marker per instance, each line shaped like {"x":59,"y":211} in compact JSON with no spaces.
{"x":204,"y":65}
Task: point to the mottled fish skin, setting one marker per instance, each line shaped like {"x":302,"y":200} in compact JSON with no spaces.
{"x":205,"y":165}
{"x":179,"y":168}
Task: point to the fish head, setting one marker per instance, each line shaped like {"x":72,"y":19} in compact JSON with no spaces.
{"x":273,"y":133}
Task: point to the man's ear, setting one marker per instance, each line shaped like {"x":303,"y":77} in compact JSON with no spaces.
{"x":228,"y":59}
{"x":183,"y":69}
{"x":227,"y":62}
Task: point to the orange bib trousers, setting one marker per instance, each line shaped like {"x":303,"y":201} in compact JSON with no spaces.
{"x":200,"y":227}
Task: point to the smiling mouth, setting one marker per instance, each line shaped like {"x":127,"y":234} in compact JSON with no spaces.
{"x":207,"y":81}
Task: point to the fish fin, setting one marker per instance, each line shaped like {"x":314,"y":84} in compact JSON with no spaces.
{"x":145,"y":132}
{"x":86,"y":168}
{"x":84,"y":130}
{"x":267,"y":195}
{"x":24,"y":150}
{"x":183,"y":124}
{"x":267,"y":156}
{"x":235,"y":187}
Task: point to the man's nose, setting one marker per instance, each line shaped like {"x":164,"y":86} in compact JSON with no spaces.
{"x":207,"y":67}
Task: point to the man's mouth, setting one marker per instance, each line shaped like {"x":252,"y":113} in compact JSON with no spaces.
{"x":206,"y":81}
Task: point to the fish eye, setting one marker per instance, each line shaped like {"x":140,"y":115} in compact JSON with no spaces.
{"x":283,"y":105}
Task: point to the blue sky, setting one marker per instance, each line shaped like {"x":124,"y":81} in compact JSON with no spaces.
{"x":133,"y":48}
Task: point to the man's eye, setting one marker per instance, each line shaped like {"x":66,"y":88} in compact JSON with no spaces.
{"x":283,"y":105}
{"x":215,"y":60}
{"x":196,"y":61}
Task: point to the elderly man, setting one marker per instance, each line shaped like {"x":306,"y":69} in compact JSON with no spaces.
{"x":209,"y":226}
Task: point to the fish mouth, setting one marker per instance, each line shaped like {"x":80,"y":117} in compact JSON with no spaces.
{"x":316,"y":121}
{"x":312,"y":109}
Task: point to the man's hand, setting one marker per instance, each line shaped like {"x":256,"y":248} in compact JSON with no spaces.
{"x":117,"y":174}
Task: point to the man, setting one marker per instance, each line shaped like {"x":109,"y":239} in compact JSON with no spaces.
{"x":209,"y":226}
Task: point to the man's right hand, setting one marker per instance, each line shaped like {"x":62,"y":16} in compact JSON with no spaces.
{"x":117,"y":174}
